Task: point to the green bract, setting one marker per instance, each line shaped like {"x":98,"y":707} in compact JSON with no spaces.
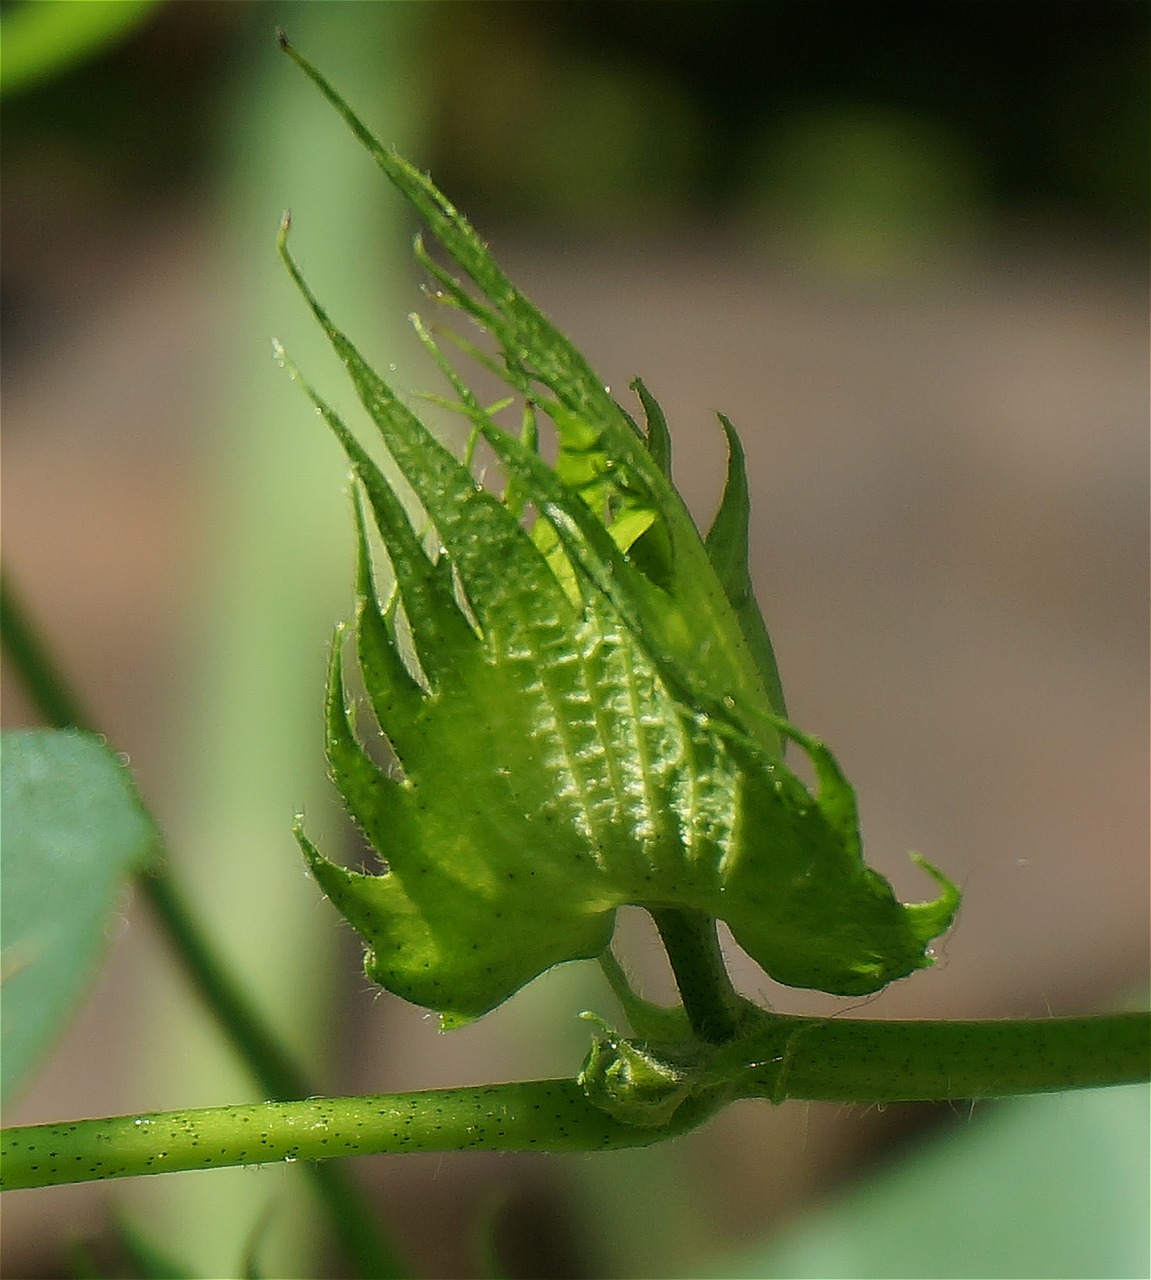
{"x":579,"y":691}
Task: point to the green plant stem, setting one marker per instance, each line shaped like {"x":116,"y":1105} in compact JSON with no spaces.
{"x":710,"y":1001}
{"x":853,"y":1060}
{"x":257,"y":1045}
{"x":538,"y":1115}
{"x":42,"y":677}
{"x":543,"y":1115}
{"x":804,"y":1058}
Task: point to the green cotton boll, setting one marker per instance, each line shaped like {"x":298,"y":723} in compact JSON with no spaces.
{"x":579,"y":690}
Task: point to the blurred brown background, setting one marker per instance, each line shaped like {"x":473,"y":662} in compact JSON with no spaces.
{"x":900,"y":246}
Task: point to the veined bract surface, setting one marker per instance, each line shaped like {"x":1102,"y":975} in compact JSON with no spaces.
{"x":588,"y":712}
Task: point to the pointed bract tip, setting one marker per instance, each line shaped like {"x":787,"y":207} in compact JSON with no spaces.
{"x":282,"y":236}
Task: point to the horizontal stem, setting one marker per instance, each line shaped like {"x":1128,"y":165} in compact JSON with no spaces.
{"x":538,"y":1115}
{"x":859,"y":1060}
{"x":812,"y":1058}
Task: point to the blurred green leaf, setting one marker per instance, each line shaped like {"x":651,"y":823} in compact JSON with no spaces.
{"x":485,"y":1234}
{"x":1042,"y":1188}
{"x":136,"y":1255}
{"x":43,"y":37}
{"x":149,"y":1261}
{"x":73,"y":829}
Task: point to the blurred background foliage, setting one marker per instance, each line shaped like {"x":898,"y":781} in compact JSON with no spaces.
{"x":897,"y":242}
{"x":592,"y":112}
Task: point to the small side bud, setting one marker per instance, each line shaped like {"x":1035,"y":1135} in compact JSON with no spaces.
{"x":633,"y":1082}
